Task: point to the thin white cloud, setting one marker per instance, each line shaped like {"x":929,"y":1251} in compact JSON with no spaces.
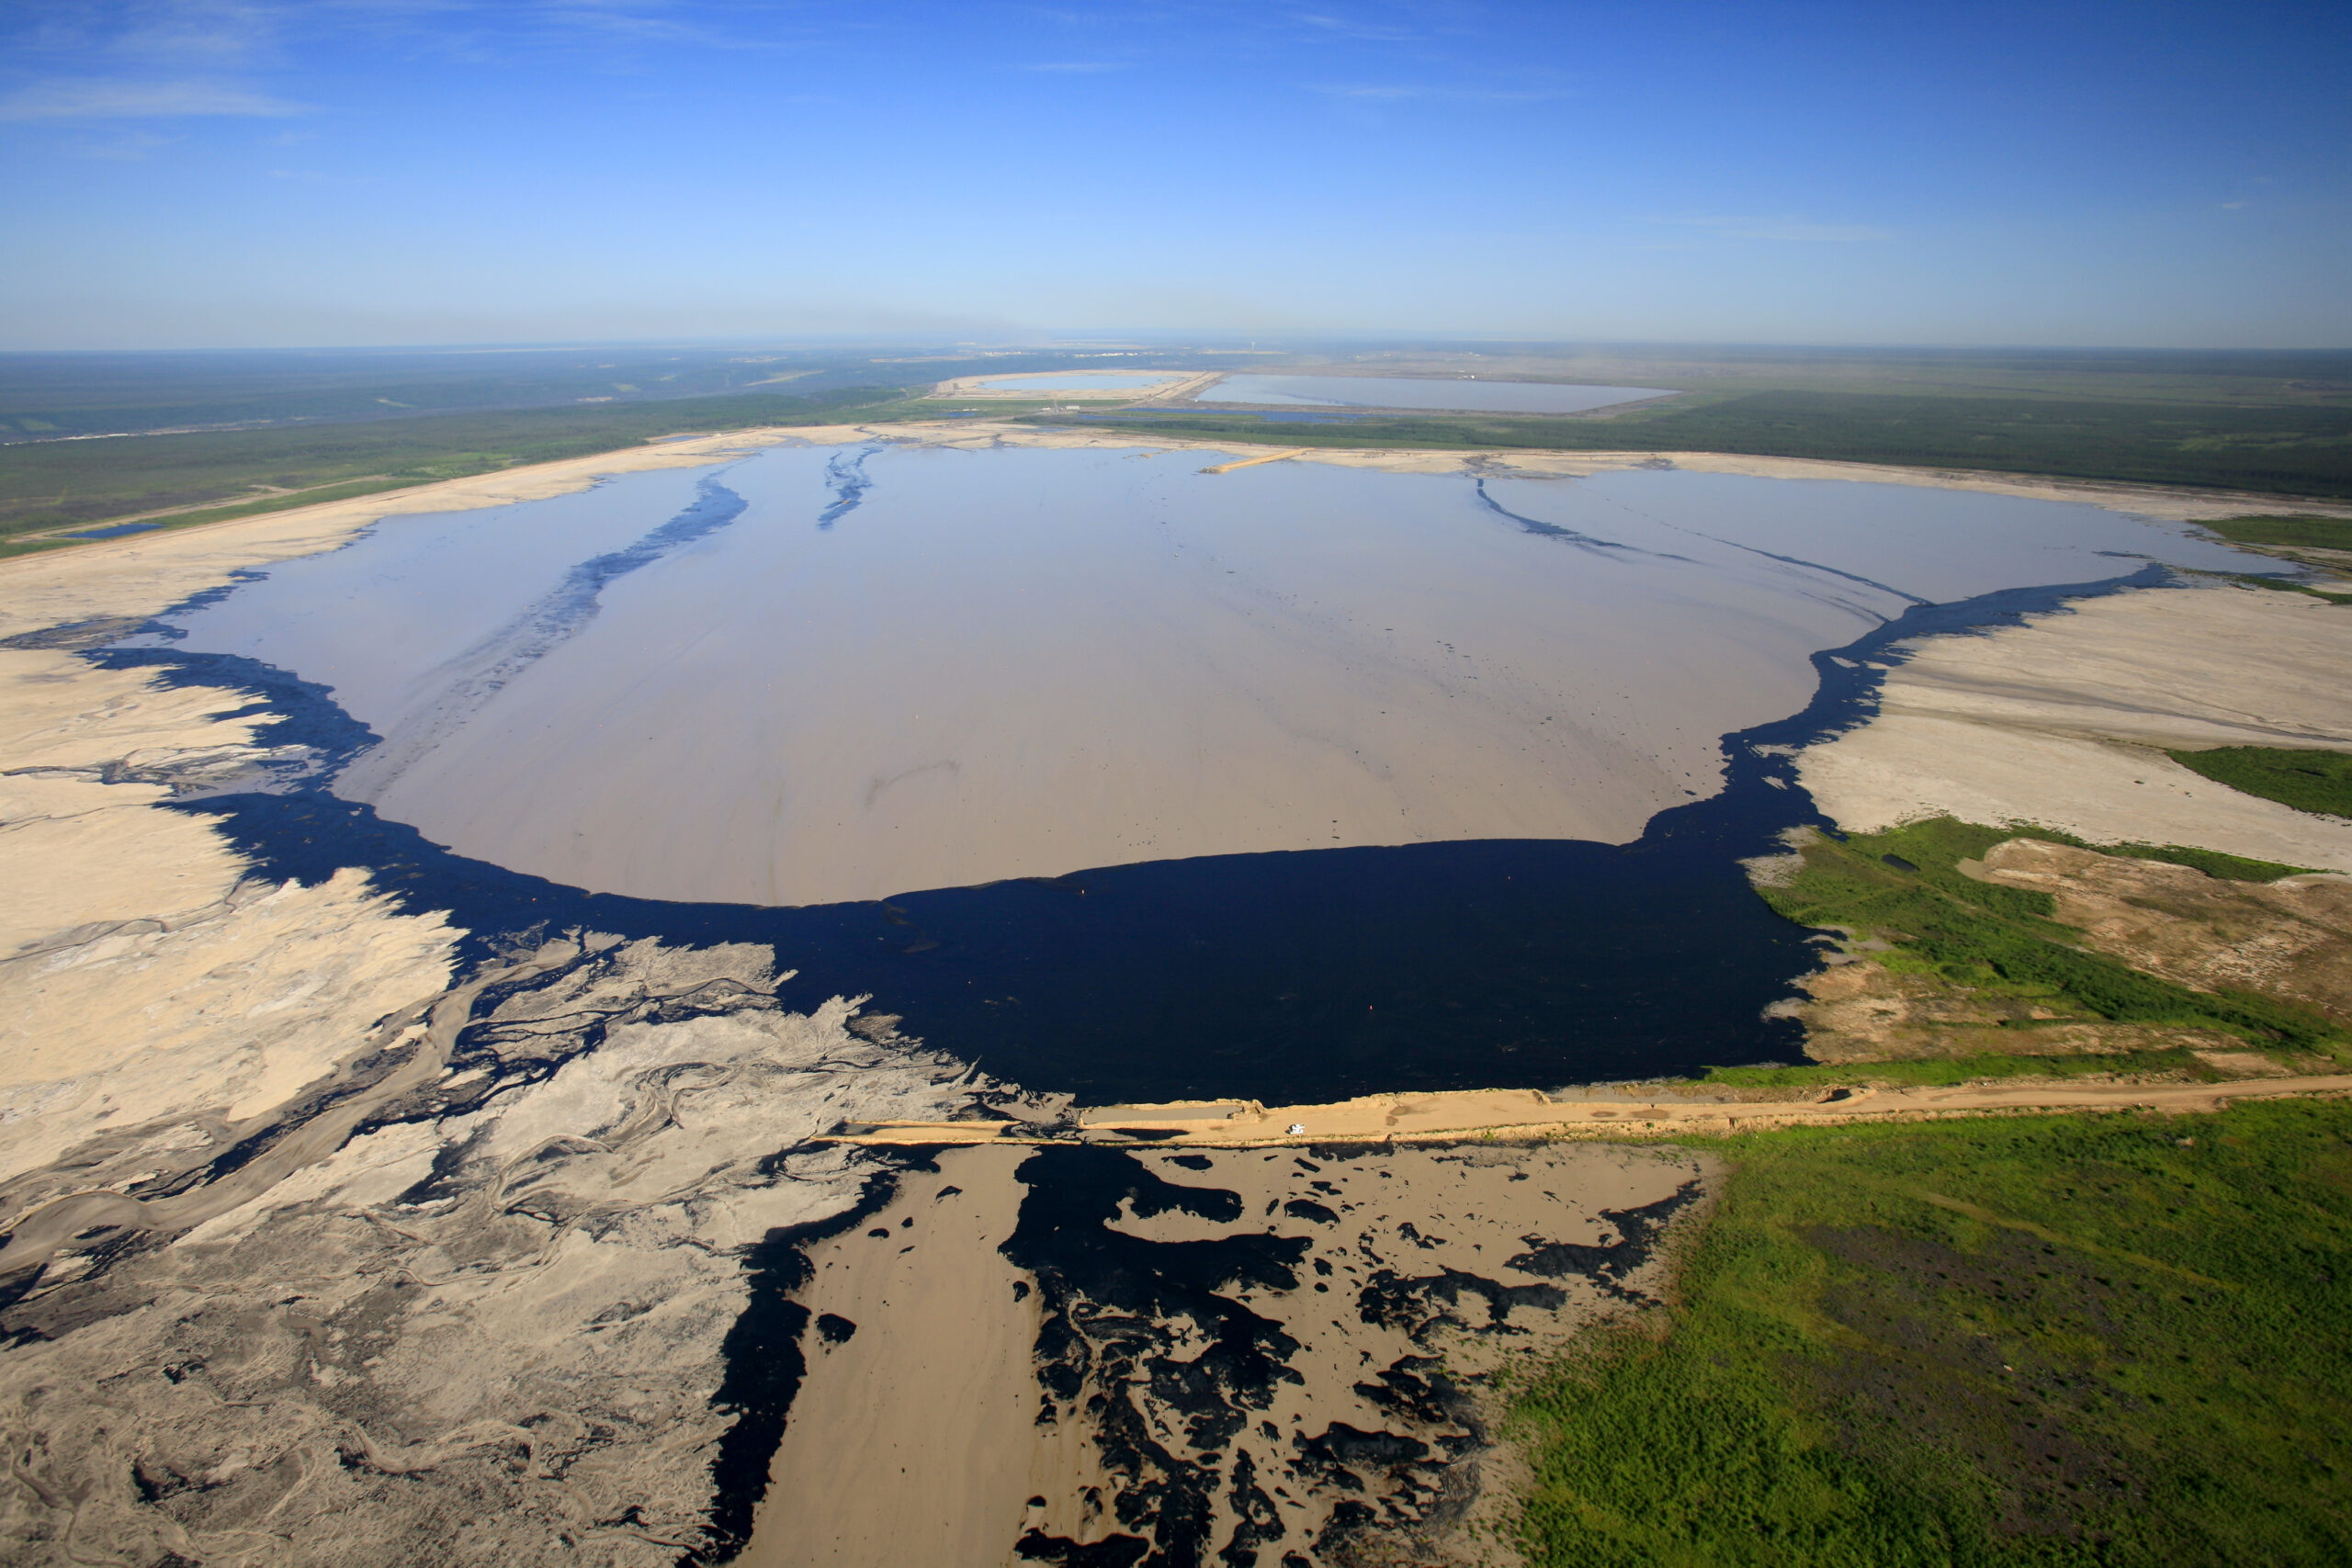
{"x":1792,"y":228}
{"x":1388,"y":93}
{"x":129,"y":147}
{"x":620,"y":18}
{"x":1355,"y":28}
{"x":138,"y":100}
{"x":185,"y":29}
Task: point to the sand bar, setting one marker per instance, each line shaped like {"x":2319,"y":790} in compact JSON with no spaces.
{"x":1526,"y":1112}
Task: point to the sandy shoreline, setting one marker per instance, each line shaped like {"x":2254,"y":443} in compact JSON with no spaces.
{"x":2055,"y":721}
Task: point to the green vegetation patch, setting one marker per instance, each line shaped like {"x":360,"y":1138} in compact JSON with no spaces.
{"x":2306,"y":780}
{"x":1904,"y":887}
{"x":2114,"y":1340}
{"x":2286,"y":533}
{"x":2292,"y":586}
{"x":1946,"y":1071}
{"x":2288,"y":586}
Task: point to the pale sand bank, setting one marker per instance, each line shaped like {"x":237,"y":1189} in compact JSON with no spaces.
{"x":2063,"y":721}
{"x":144,"y":983}
{"x":1204,"y":1351}
{"x":1525,"y":1114}
{"x":508,"y":1304}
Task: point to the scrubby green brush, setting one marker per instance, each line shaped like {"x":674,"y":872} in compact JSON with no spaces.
{"x":2303,"y":451}
{"x":2290,"y":532}
{"x":2113,"y":1340}
{"x":2306,"y":780}
{"x":2002,"y":940}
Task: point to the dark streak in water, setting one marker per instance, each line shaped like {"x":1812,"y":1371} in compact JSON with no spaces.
{"x":847,"y":476}
{"x":478,"y":674}
{"x":572,"y":603}
{"x":1768,"y":555}
{"x":1554,"y":530}
{"x":1816,"y":565}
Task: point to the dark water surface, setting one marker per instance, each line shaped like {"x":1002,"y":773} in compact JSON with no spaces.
{"x":1294,"y":977}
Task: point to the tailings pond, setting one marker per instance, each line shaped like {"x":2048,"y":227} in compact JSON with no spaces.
{"x":1464,"y":395}
{"x":1124,"y":778}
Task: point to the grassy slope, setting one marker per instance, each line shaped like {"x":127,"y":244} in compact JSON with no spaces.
{"x":2306,"y":780}
{"x":2048,"y":1341}
{"x":2308,"y":533}
{"x":2002,"y":941}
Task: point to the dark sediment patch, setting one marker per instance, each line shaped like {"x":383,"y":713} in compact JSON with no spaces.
{"x":765,"y":1362}
{"x":1183,"y":1357}
{"x":1114,"y":1307}
{"x":849,"y":481}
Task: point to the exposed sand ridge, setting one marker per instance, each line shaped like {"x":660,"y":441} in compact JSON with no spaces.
{"x":2063,"y":721}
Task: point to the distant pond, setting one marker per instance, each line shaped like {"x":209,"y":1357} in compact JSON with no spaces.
{"x":1415,"y":393}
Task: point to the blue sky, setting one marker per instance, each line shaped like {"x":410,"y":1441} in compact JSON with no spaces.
{"x":187,"y":173}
